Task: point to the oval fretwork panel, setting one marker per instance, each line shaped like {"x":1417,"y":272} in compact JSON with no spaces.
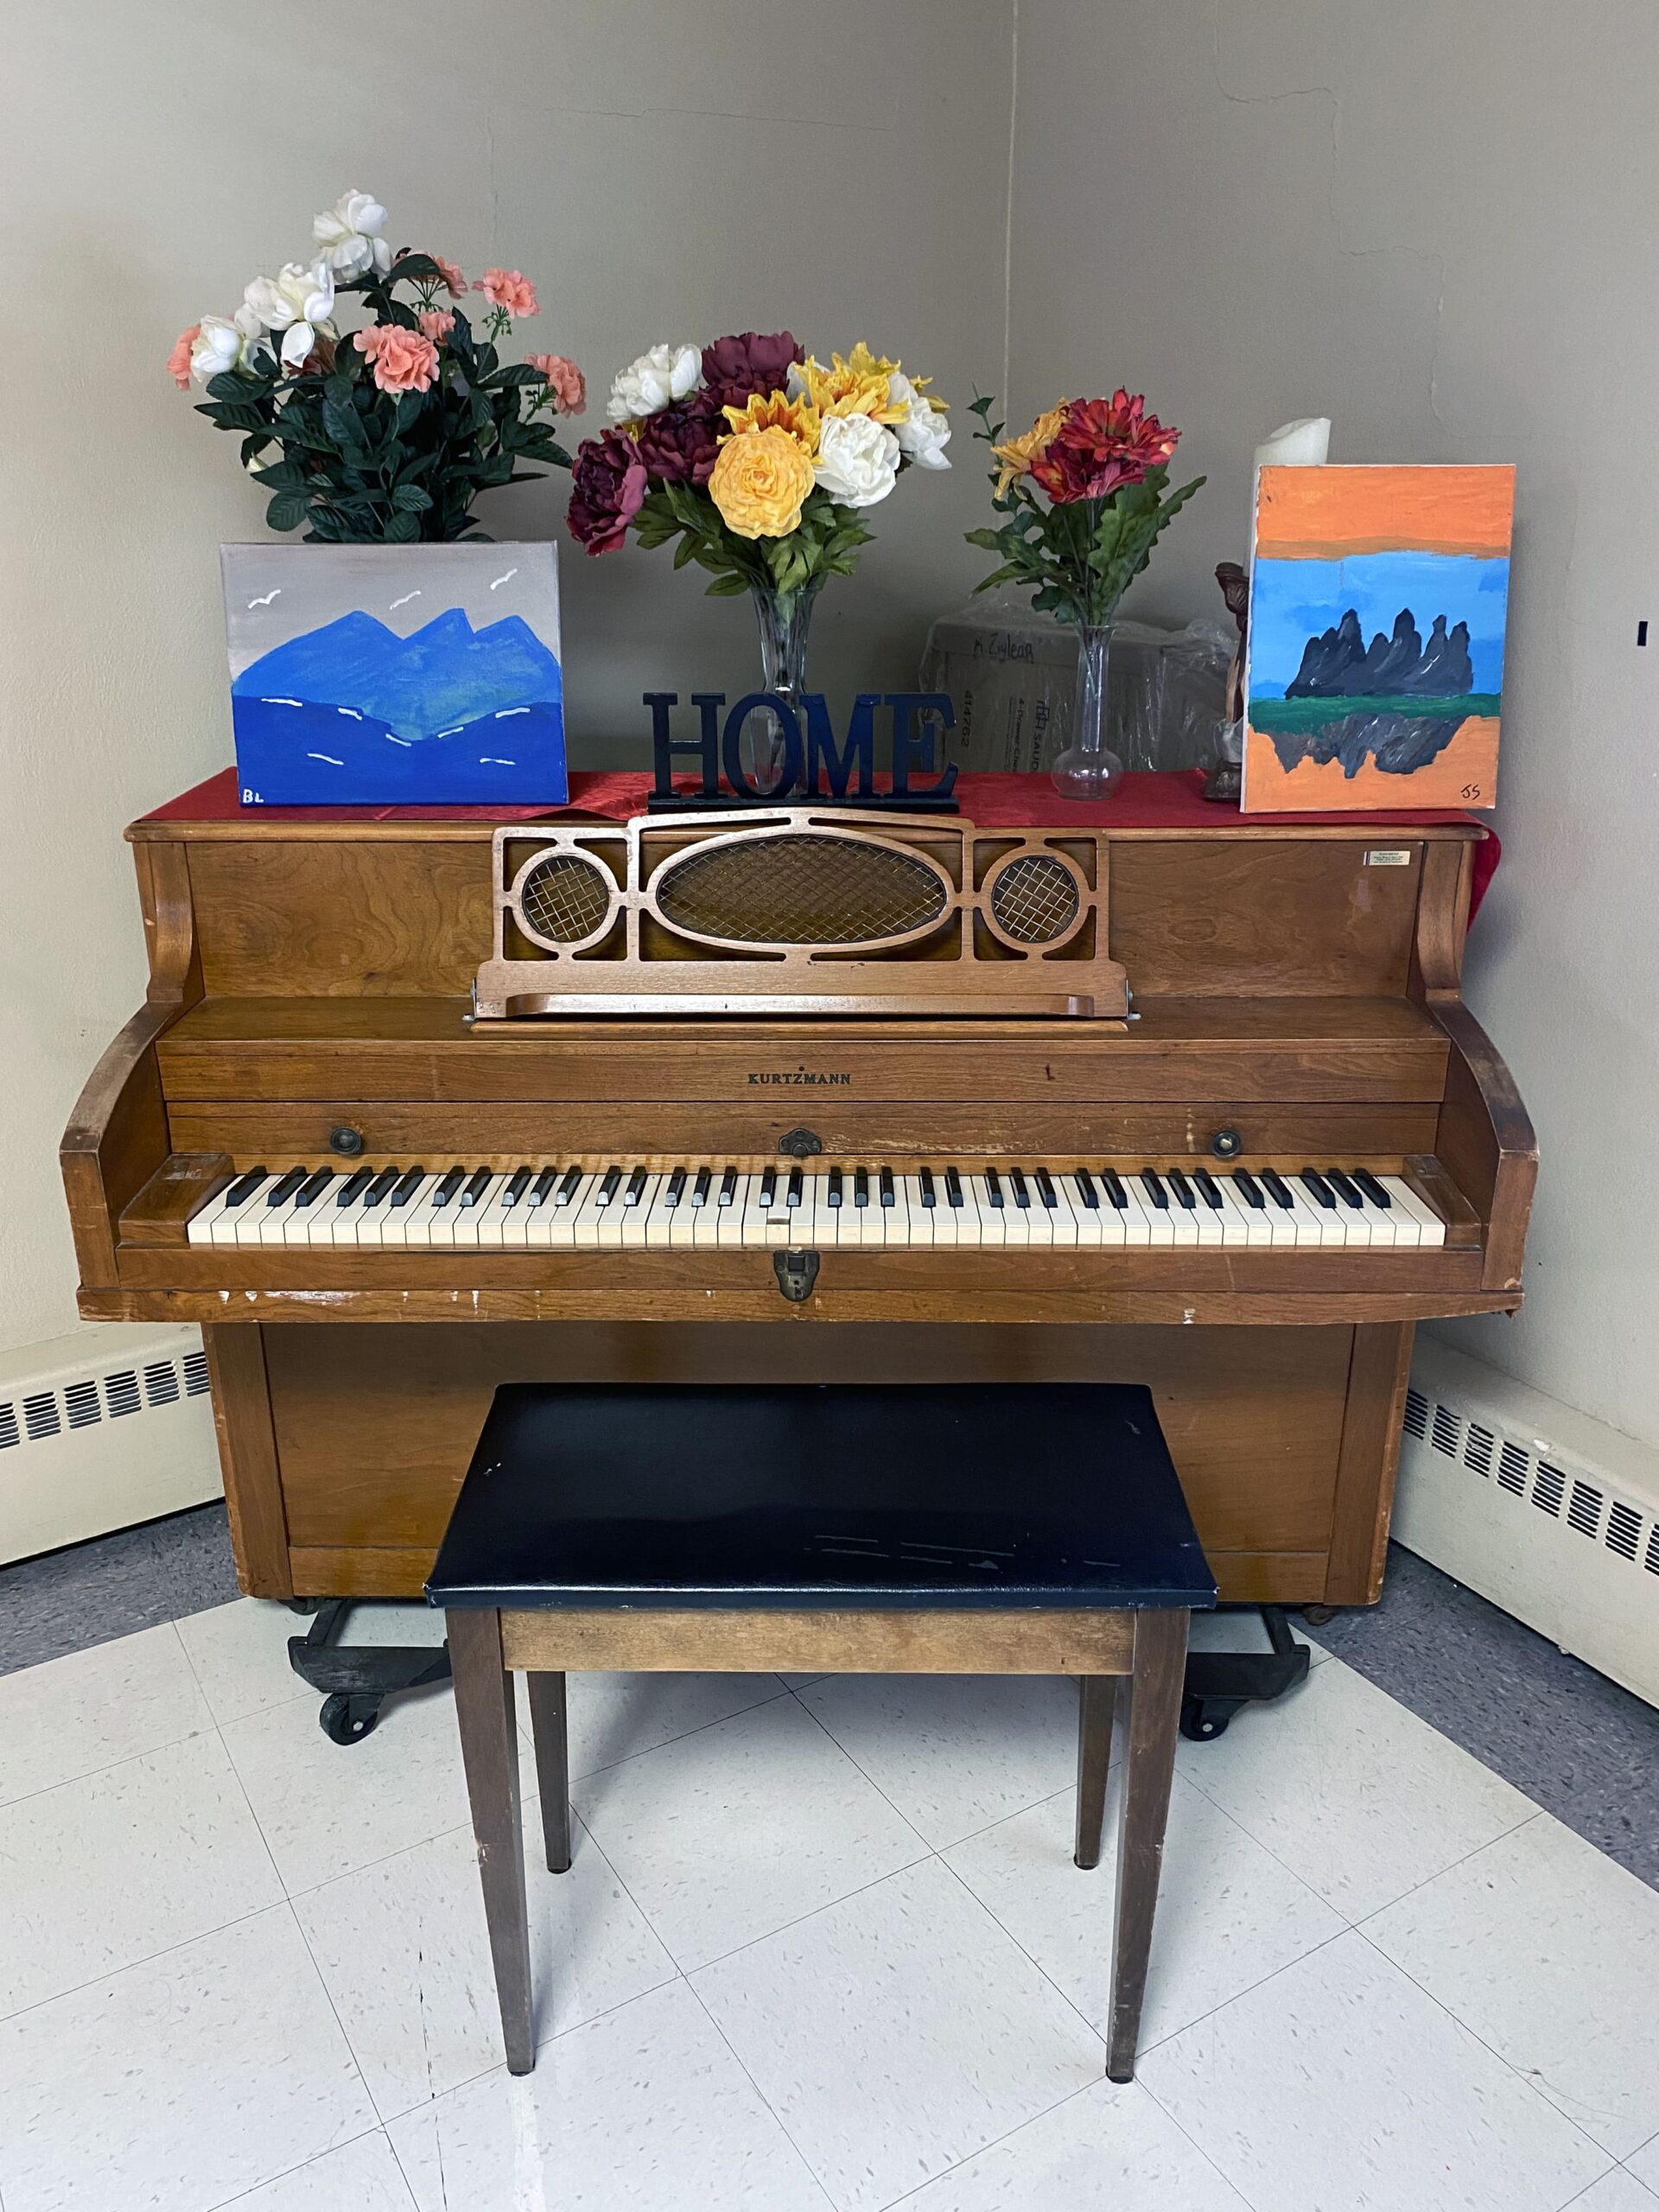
{"x":806,"y":890}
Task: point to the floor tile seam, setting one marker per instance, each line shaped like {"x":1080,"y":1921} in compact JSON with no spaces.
{"x":1516,"y":2073}
{"x":1070,"y":2002}
{"x":349,"y":2047}
{"x":1463,"y":1860}
{"x":766,"y":2105}
{"x":932,"y":1849}
{"x":228,"y":2203}
{"x":148,"y":1959}
{"x":1232,"y":2180}
{"x":209,"y":1727}
{"x":798,"y":1920}
{"x":773,"y":1697}
{"x":1261,"y":1982}
{"x":893,"y":2204}
{"x":527,"y":1801}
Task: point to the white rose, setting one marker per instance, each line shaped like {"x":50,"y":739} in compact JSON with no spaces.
{"x":349,"y":234}
{"x":298,"y":303}
{"x":858,"y":460}
{"x":923,"y":433}
{"x":219,"y":346}
{"x":651,"y":383}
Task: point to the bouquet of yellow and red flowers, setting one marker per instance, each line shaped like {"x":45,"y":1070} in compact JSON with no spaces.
{"x":758,"y":459}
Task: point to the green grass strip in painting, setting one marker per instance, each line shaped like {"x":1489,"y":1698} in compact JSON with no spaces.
{"x":1293,"y":718}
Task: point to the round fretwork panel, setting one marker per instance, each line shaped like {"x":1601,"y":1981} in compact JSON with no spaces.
{"x":564,"y":898}
{"x":1034,"y":899}
{"x":811,"y":890}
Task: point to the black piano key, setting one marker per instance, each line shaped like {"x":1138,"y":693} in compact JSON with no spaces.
{"x":312,"y":1188}
{"x":1277,"y":1189}
{"x":1021,"y":1188}
{"x":1344,"y":1190}
{"x":953,"y":1187}
{"x":1086,"y":1191}
{"x":889,"y":1196}
{"x":700,"y":1188}
{"x":994,"y":1186}
{"x":477,"y":1184}
{"x":675,"y":1187}
{"x":382,"y":1187}
{"x":930,"y":1196}
{"x":284,"y":1187}
{"x":1046,"y":1190}
{"x":570,"y":1184}
{"x":1373,"y":1189}
{"x":518,"y":1183}
{"x":833,"y":1192}
{"x":610,"y":1183}
{"x":769,"y":1186}
{"x":1249,"y":1189}
{"x":451,"y":1183}
{"x":1317,"y":1189}
{"x":1182,"y":1188}
{"x":728,"y":1187}
{"x":246,"y":1186}
{"x":355,"y":1186}
{"x":1209,"y":1189}
{"x":636,"y":1189}
{"x":399,"y":1191}
{"x":1113,"y":1186}
{"x":1153,"y":1186}
{"x":795,"y":1190}
{"x":544,"y":1183}
{"x":861,"y":1186}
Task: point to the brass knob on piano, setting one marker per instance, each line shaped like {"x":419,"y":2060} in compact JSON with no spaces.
{"x":345,"y":1140}
{"x":1227,"y":1144}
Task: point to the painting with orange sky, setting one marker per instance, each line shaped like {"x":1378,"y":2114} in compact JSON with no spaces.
{"x":1374,"y":675}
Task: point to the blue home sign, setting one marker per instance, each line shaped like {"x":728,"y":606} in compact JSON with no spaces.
{"x":815,"y":768}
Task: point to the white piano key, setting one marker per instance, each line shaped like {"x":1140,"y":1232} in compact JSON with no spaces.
{"x":1430,"y":1228}
{"x":225,"y":1224}
{"x":992,"y":1227}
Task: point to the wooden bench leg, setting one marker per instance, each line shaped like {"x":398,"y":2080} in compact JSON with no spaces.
{"x":1094,"y":1757}
{"x":489,"y":1749}
{"x":549,"y":1727}
{"x":1143,"y":1808}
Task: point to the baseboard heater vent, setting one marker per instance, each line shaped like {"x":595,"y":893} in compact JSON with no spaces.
{"x":1551,"y":1515}
{"x":89,"y":1442}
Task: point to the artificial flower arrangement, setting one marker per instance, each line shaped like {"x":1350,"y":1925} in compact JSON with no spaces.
{"x":758,"y":459}
{"x":1102,"y":467}
{"x":388,"y":435}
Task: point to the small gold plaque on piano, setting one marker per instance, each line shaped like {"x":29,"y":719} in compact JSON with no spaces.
{"x":799,"y":910}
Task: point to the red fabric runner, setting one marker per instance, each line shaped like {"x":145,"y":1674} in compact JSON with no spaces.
{"x":990,"y":801}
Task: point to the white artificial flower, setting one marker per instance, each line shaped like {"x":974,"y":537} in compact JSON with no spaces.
{"x":218,"y":345}
{"x":923,"y":433}
{"x":858,"y":460}
{"x":349,"y":234}
{"x":298,"y":303}
{"x":653,"y":382}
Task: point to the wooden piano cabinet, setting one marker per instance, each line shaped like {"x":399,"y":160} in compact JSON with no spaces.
{"x":343,"y":1448}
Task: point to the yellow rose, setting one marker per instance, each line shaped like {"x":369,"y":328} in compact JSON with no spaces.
{"x":758,"y":480}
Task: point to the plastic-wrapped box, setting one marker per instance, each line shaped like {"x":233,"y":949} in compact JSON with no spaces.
{"x":1010,"y":673}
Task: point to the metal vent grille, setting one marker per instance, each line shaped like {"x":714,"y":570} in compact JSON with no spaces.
{"x":1035,"y":900}
{"x":81,"y":1403}
{"x":196,"y":1381}
{"x":9,"y":1430}
{"x":41,"y":1417}
{"x":46,"y":1414}
{"x":1650,"y":1559}
{"x":565,"y":898}
{"x":1477,"y":1449}
{"x":814,"y":890}
{"x":1624,"y":1528}
{"x":1549,"y":1487}
{"x":1416,"y":1414}
{"x":1512,"y":1466}
{"x":161,"y":1384}
{"x":121,"y":1393}
{"x":1446,"y":1431}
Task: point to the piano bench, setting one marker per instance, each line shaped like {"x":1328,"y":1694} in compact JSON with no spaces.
{"x":982,"y":1529}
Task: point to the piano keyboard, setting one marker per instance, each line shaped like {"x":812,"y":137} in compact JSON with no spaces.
{"x":624,"y":1206}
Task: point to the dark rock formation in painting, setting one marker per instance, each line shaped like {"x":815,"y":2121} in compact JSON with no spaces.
{"x":1339,"y":664}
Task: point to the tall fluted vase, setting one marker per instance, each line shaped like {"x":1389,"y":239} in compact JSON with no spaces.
{"x":784,"y":619}
{"x":1087,"y":769}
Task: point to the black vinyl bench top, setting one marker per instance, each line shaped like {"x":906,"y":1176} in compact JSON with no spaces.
{"x":996,"y":1496}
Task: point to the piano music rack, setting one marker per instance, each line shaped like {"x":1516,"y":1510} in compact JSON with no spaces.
{"x":799,"y":910}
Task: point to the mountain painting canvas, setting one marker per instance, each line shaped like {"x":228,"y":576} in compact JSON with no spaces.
{"x":394,"y":675}
{"x":1374,"y":676}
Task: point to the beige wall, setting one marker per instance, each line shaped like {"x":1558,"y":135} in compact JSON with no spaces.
{"x":663,"y":168}
{"x":1433,"y":220}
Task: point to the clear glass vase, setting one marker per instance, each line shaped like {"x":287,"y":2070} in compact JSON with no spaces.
{"x":1086,"y":769}
{"x":784,"y":619}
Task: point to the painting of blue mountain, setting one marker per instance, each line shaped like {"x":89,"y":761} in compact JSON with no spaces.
{"x":422,"y":675}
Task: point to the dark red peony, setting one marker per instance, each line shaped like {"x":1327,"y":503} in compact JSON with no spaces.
{"x":678,"y":443}
{"x":733,"y":368}
{"x":607,"y":485}
{"x":1102,"y":446}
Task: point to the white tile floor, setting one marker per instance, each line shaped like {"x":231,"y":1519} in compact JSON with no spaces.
{"x":821,"y":1945}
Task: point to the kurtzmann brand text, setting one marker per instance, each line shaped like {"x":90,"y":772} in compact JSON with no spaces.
{"x":799,"y":1075}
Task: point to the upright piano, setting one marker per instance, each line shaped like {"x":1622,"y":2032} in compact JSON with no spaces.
{"x":417,"y":1105}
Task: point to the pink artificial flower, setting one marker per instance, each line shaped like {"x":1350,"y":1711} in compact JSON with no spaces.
{"x":507,"y":289}
{"x":178,"y":361}
{"x":437,"y":323}
{"x":403,"y":360}
{"x":565,"y":380}
{"x":455,"y":281}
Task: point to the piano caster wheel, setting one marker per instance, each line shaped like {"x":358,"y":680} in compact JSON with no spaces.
{"x":303,"y":1606}
{"x":1316,"y":1616}
{"x":346,"y":1719}
{"x":1203,"y":1718}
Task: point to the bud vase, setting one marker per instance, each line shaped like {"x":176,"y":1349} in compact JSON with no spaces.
{"x":1085,"y":769}
{"x":784,"y":619}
